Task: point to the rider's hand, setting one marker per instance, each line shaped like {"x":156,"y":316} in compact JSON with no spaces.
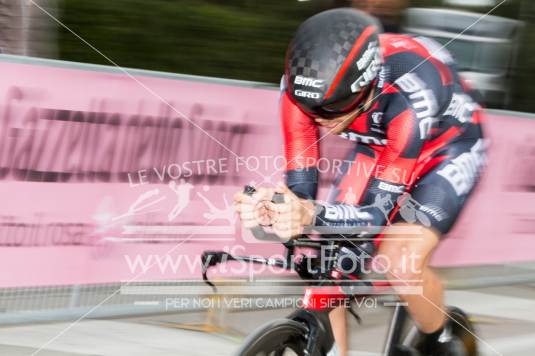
{"x":256,"y":209}
{"x":292,"y":214}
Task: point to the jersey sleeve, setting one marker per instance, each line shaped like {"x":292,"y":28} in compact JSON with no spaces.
{"x":301,"y":149}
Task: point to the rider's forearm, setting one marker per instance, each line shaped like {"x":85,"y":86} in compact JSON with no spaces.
{"x":303,"y":182}
{"x":338,"y":215}
{"x":376,"y":205}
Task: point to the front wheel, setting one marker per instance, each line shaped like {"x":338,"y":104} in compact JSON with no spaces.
{"x":282,"y":337}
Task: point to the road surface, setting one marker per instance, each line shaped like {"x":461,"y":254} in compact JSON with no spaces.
{"x":504,"y":316}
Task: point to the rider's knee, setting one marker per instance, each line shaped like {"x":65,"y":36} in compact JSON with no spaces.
{"x":400,"y":262}
{"x":405,"y":256}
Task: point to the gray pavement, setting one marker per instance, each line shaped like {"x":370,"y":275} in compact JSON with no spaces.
{"x":504,"y":317}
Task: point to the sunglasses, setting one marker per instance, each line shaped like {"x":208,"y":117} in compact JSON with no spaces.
{"x":343,"y":106}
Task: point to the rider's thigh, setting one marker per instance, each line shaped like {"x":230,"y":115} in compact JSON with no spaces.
{"x":408,"y":253}
{"x":436,"y":200}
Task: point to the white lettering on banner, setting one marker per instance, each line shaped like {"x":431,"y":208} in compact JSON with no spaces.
{"x":461,"y":107}
{"x":307,"y":94}
{"x":309,"y":82}
{"x":422,"y":100}
{"x":345,"y":212}
{"x":391,"y":187}
{"x":464,"y":170}
{"x":353,"y":136}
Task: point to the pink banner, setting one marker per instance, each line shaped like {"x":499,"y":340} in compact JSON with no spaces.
{"x":498,"y":224}
{"x":111,"y":177}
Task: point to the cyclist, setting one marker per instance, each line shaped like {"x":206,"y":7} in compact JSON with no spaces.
{"x":418,"y":153}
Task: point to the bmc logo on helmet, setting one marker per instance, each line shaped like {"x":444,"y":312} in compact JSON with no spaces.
{"x":307,"y":94}
{"x":308,"y":82}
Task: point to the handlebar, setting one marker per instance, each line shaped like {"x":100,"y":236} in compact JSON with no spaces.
{"x":213,"y":258}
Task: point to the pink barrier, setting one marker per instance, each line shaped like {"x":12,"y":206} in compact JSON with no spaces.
{"x":498,"y":225}
{"x":98,"y":172}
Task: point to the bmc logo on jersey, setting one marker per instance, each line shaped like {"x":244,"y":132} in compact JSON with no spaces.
{"x":461,"y":107}
{"x":368,"y":55}
{"x":337,"y":212}
{"x":391,"y":188}
{"x":463,"y":171}
{"x":422,"y":100}
{"x":371,"y":71}
{"x":308,"y":82}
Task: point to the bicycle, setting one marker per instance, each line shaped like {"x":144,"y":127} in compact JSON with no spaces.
{"x":307,"y":331}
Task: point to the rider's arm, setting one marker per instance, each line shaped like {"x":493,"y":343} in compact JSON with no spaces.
{"x":300,"y":148}
{"x":392,"y":174}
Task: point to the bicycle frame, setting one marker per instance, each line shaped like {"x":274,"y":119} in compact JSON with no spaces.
{"x":318,"y":300}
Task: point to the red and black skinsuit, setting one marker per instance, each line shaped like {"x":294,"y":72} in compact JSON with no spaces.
{"x":419,"y":148}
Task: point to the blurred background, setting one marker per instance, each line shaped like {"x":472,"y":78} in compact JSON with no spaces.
{"x":246,"y":39}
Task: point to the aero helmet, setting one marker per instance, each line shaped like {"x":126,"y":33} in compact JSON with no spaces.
{"x":332,"y":62}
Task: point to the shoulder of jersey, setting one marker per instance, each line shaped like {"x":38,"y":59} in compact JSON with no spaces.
{"x":392,"y":43}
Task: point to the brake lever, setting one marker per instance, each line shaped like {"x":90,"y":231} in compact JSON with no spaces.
{"x":207,"y":281}
{"x":211,"y":259}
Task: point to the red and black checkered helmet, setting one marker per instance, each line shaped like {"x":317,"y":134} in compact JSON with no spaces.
{"x":333,"y":61}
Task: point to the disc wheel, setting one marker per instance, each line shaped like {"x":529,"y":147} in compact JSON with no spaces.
{"x":278,"y":338}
